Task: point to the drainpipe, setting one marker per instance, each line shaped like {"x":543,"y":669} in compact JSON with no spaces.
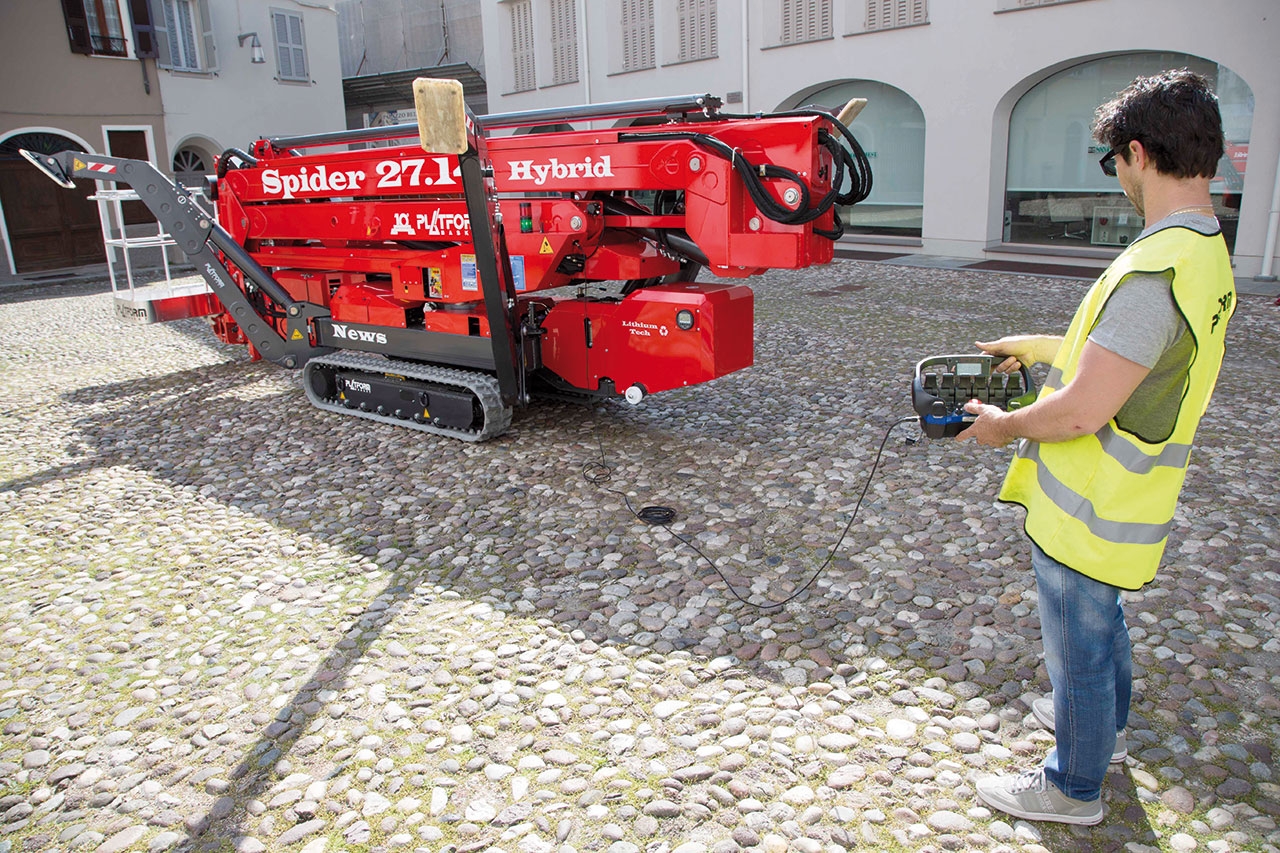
{"x":583,"y":42}
{"x":746,"y":58}
{"x":1273,"y":224}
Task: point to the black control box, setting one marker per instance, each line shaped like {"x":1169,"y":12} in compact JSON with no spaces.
{"x":944,"y":383}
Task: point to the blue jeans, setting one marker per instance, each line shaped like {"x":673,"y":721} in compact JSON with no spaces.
{"x":1086,"y":650}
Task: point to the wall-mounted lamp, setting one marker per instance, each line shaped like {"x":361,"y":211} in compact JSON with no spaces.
{"x":256,"y":56}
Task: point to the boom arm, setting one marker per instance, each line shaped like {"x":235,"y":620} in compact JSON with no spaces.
{"x":198,"y":235}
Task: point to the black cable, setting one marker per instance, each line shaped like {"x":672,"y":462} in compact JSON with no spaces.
{"x":224,"y":162}
{"x":853,"y":159}
{"x":600,"y":473}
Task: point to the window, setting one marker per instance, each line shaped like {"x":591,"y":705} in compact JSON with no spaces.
{"x":1056,"y":195}
{"x":893,"y":125}
{"x":804,"y":20}
{"x":637,"y":34}
{"x":291,"y":48}
{"x":891,"y":14}
{"x":522,"y":66}
{"x":564,"y":42}
{"x":189,"y":167}
{"x":697,"y":23}
{"x":184,"y":36}
{"x":95,"y":27}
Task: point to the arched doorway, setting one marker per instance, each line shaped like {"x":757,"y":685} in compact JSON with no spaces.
{"x":1055,"y":194}
{"x":48,"y":227}
{"x":891,"y":130}
{"x":193,"y":161}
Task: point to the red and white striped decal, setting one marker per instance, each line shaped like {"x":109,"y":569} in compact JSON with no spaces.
{"x":103,"y":168}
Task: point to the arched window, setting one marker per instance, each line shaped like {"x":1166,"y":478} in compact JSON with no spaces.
{"x":1055,"y":194}
{"x":189,"y":167}
{"x":891,"y":130}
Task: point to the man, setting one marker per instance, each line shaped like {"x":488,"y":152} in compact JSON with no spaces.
{"x":1103,"y":451}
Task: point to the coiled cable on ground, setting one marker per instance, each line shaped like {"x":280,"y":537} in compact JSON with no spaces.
{"x":600,"y":472}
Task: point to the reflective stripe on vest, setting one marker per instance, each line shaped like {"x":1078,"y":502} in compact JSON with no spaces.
{"x":1131,"y":457}
{"x":1081,"y":508}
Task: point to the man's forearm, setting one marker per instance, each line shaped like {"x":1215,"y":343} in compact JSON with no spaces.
{"x":1053,"y":418}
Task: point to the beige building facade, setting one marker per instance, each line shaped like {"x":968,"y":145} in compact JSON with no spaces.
{"x":174,"y":82}
{"x":979,"y":113}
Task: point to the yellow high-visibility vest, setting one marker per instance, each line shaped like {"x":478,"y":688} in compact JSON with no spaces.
{"x":1103,"y":504}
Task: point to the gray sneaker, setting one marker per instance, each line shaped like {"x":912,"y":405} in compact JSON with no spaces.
{"x":1032,"y":796}
{"x":1042,"y":709}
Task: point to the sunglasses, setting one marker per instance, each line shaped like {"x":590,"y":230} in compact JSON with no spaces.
{"x":1108,"y":163}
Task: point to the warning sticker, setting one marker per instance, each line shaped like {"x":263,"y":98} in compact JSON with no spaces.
{"x":546,"y":247}
{"x":297,"y":335}
{"x":517,"y":271}
{"x":469,"y":280}
{"x":435,"y":284}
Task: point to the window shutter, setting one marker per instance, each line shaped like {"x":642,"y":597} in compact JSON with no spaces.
{"x":629,"y":46}
{"x":682,"y":14}
{"x":712,"y":29}
{"x":160,"y":29}
{"x":299,"y":51}
{"x":564,"y":41}
{"x":144,"y":42}
{"x":805,"y":20}
{"x":888,"y":14}
{"x":697,"y":29}
{"x":77,"y":26}
{"x":637,"y":34}
{"x":523,"y":78}
{"x":291,"y":52}
{"x":283,"y":55}
{"x":206,"y":26}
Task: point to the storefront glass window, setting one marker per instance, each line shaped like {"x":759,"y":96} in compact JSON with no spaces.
{"x":1055,"y":192}
{"x":891,"y":130}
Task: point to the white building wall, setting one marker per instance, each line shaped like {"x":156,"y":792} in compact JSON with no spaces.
{"x":243,"y":102}
{"x":966,"y":68}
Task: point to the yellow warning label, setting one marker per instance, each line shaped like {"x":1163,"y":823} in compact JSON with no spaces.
{"x":297,"y":335}
{"x":546,"y":247}
{"x":78,"y":164}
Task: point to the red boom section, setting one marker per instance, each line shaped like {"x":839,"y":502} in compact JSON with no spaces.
{"x":381,"y":237}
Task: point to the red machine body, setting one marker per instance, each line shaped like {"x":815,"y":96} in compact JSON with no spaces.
{"x":373,"y":252}
{"x":381,"y":237}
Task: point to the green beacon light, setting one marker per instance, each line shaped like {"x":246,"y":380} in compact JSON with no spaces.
{"x":526,"y":217}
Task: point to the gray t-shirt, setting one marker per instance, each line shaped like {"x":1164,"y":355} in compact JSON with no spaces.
{"x":1141,"y":322}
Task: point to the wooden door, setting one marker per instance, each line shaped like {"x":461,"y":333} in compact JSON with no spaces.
{"x":49,"y":227}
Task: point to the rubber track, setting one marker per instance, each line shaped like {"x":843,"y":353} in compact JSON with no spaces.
{"x":497,"y":417}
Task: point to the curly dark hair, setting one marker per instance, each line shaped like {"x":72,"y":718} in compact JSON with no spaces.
{"x":1174,"y":114}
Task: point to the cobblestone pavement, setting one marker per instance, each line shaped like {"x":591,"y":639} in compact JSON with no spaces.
{"x":232,"y":622}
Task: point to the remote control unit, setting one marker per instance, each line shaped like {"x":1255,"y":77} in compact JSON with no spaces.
{"x":944,"y":383}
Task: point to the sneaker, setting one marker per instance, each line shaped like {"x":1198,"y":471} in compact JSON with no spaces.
{"x":1032,"y":796}
{"x":1042,"y":709}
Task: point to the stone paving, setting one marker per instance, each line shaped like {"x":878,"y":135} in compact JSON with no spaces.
{"x":232,"y":622}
